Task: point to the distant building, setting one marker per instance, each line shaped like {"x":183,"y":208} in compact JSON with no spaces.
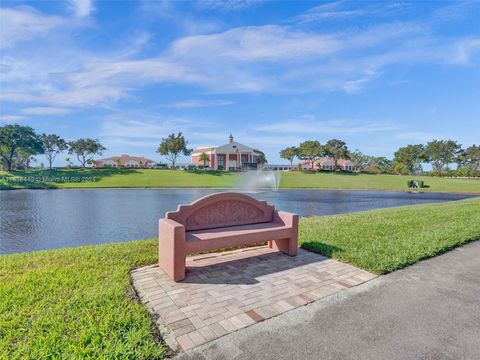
{"x":277,"y":167}
{"x":125,"y":161}
{"x":231,"y":156}
{"x":325,"y":163}
{"x":184,"y":166}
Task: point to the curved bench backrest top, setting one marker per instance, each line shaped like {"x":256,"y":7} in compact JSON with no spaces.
{"x":222,"y":210}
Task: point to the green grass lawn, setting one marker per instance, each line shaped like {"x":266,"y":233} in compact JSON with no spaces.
{"x":76,"y":303}
{"x":301,"y":180}
{"x":385,"y":240}
{"x":79,"y":303}
{"x":108,"y":178}
{"x":105,"y":178}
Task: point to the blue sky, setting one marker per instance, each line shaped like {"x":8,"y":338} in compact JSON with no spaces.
{"x":378,"y":75}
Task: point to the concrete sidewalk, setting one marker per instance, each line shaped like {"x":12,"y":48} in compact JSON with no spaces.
{"x":430,"y":310}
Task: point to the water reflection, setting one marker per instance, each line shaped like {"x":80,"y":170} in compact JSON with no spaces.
{"x":49,"y":219}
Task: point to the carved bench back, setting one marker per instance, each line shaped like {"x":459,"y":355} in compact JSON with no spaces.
{"x":222,"y":210}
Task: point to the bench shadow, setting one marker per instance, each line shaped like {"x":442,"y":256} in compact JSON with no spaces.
{"x":321,"y":248}
{"x":246,"y":271}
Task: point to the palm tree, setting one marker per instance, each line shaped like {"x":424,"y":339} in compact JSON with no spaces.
{"x":204,"y":157}
{"x":261,"y":159}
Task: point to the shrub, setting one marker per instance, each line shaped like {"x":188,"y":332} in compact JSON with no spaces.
{"x":372,"y":169}
{"x":465,"y":171}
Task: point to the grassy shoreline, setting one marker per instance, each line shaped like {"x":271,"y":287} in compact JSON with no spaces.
{"x":78,"y":303}
{"x":141,"y":178}
{"x":385,"y":240}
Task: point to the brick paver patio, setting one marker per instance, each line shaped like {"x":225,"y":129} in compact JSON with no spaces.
{"x":224,"y":292}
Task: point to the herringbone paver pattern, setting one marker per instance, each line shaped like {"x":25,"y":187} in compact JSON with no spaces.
{"x":224,"y":292}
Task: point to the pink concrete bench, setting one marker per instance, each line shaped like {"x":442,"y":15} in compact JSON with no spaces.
{"x":220,"y":221}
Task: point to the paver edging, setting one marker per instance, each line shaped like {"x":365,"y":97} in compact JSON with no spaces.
{"x":166,"y":335}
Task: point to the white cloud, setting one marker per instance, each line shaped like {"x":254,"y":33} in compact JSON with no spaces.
{"x":269,"y":58}
{"x":73,"y":96}
{"x":143,"y":128}
{"x":82,"y":8}
{"x":120,"y":143}
{"x":329,"y":11}
{"x":24,"y":23}
{"x":465,"y":51}
{"x":344,"y":10}
{"x":309,"y":124}
{"x":45,"y":111}
{"x":353,"y":86}
{"x":11,"y":118}
{"x":190,"y":104}
{"x":417,"y":136}
{"x":228,"y":4}
{"x":256,"y":43}
{"x":454,"y":11}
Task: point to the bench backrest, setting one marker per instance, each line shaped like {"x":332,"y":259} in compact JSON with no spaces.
{"x":221,"y":210}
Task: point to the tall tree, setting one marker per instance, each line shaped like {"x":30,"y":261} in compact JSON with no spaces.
{"x":173,"y":146}
{"x":384,"y":165}
{"x":401,"y":168}
{"x":360,"y":160}
{"x":204,"y":157}
{"x":23,"y":159}
{"x":289,"y":153}
{"x":336,"y":149}
{"x":409,"y":157}
{"x":17,"y":142}
{"x":261,"y":159}
{"x":52,"y":145}
{"x":69,"y":162}
{"x":310,"y":150}
{"x":441,"y":153}
{"x":470,"y":157}
{"x":85,"y":150}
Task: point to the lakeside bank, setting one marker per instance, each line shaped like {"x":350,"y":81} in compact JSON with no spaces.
{"x":147,"y":178}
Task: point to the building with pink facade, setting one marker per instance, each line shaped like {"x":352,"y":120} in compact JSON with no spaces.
{"x":231,"y":156}
{"x":125,"y":161}
{"x":325,"y":163}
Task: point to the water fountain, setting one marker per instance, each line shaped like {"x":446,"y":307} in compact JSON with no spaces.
{"x":259,"y":180}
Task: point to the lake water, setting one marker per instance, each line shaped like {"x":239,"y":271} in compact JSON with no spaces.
{"x":51,"y":219}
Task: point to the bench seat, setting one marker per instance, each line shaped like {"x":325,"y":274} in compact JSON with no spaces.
{"x":201,"y":240}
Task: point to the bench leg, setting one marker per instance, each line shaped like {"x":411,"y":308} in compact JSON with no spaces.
{"x":288,"y":246}
{"x":171,"y":252}
{"x":172,"y":263}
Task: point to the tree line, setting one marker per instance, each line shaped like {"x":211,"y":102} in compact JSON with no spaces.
{"x":311,"y":150}
{"x":19,"y":145}
{"x":441,"y":154}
